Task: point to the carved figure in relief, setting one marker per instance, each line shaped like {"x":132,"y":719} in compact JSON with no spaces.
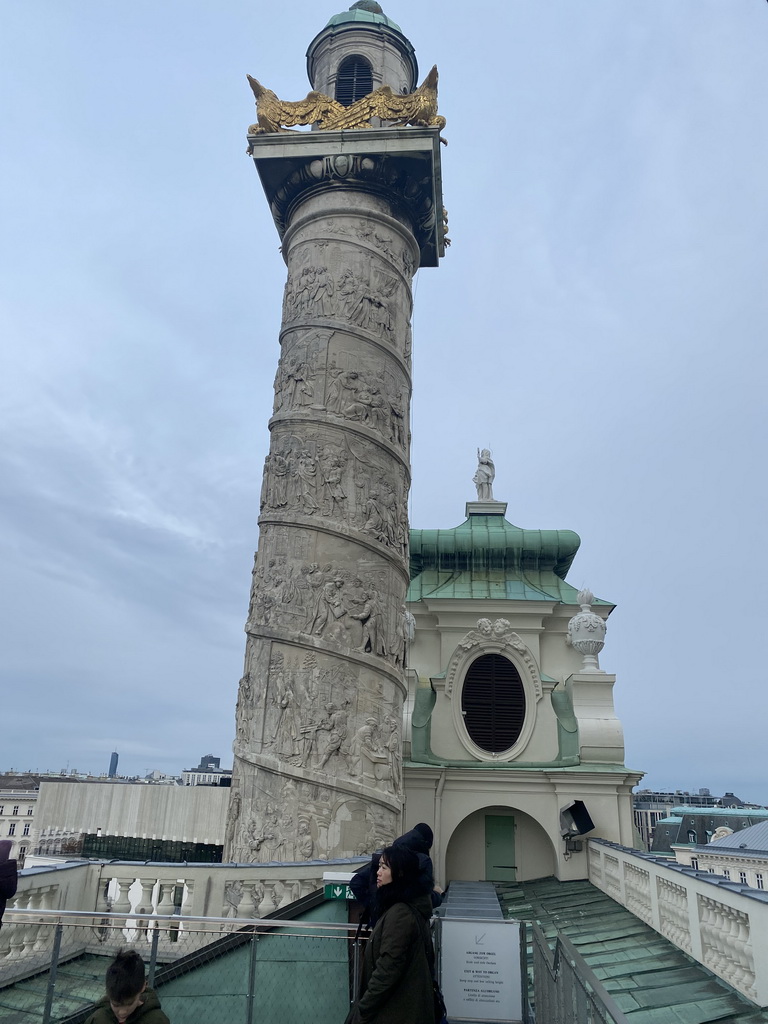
{"x":367,"y":754}
{"x":336,"y":726}
{"x":375,"y":517}
{"x":322,"y":295}
{"x":334,"y":496}
{"x":233,"y":819}
{"x":280,"y":469}
{"x":287,"y":728}
{"x":397,"y":403}
{"x":304,"y":844}
{"x":233,"y":894}
{"x":297,"y":385}
{"x":393,"y":748}
{"x":332,"y":611}
{"x":306,"y":476}
{"x":348,"y":289}
{"x":372,"y":619}
{"x":397,"y":645}
{"x":484,"y":475}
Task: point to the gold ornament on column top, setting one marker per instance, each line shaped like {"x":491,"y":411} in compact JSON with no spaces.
{"x":417,"y":108}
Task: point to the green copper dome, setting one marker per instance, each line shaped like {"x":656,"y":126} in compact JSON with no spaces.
{"x":487,"y":557}
{"x":366,"y":12}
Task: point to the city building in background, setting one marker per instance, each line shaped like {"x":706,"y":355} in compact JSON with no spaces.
{"x":651,"y":806}
{"x":17,"y":814}
{"x":738,"y":856}
{"x":207,"y":773}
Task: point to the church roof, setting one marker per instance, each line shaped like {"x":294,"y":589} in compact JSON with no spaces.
{"x":488,"y":557}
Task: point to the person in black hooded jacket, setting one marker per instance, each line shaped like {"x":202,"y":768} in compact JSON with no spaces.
{"x":364,"y":885}
{"x":397,"y":968}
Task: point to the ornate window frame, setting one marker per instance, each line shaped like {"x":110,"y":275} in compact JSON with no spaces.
{"x":493,"y":638}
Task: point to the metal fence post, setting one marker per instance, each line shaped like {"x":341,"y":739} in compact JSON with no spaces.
{"x":251,"y":996}
{"x":153,"y":956}
{"x":355,"y":970}
{"x":52,"y":973}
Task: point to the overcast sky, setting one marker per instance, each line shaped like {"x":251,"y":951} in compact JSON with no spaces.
{"x":599,"y":322}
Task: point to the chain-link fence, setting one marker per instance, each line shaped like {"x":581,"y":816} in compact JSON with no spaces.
{"x":226,"y":971}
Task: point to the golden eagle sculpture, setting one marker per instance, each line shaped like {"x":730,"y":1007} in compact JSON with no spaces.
{"x":417,"y":108}
{"x":276,"y":115}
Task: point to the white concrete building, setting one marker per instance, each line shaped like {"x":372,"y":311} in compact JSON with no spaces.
{"x":740,"y":856}
{"x":17,"y":813}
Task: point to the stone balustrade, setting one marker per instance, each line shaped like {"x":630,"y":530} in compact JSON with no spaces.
{"x":143,"y":891}
{"x":721,"y":924}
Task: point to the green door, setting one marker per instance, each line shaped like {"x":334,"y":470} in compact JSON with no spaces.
{"x":500,"y":848}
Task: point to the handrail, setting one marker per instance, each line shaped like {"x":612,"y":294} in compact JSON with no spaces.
{"x":565,"y":951}
{"x":25,"y":915}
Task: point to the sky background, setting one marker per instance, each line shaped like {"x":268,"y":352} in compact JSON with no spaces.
{"x":599,"y":322}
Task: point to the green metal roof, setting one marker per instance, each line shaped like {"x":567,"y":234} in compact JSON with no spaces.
{"x":487,"y":557}
{"x":653,"y":981}
{"x":357,"y":14}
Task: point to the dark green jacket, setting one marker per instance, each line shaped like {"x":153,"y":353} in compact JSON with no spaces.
{"x":148,"y":1012}
{"x":397,"y":983}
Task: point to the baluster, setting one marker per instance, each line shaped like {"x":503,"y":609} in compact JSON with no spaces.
{"x":18,"y":934}
{"x":122,"y":904}
{"x":267,"y":904}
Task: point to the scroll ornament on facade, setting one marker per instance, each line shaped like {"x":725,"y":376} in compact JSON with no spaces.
{"x":586,"y":632}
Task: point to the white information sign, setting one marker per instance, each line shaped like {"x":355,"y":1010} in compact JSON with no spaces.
{"x":480,"y":976}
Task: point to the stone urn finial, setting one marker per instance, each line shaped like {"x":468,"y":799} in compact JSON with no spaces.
{"x":586,"y":632}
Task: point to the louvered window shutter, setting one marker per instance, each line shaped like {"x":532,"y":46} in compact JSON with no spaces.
{"x":354,"y":80}
{"x":493,"y":703}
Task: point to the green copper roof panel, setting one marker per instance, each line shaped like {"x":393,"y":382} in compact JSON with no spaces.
{"x":490,"y":542}
{"x":485,"y":584}
{"x":652,"y":981}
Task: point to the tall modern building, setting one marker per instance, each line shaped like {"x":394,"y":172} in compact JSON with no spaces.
{"x":113,"y":764}
{"x":358,"y":208}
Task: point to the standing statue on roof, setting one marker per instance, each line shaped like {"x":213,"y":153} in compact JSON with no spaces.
{"x":484,"y":475}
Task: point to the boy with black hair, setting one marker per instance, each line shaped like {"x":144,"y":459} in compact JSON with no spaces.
{"x":128,"y":999}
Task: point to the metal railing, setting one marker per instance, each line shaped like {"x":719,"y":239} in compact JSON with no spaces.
{"x":238,"y":971}
{"x":566,"y":990}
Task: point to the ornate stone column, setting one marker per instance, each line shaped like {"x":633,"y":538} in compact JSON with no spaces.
{"x":317,"y":751}
{"x":317,"y":766}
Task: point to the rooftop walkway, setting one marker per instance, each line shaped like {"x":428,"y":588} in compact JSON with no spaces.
{"x":652,"y":981}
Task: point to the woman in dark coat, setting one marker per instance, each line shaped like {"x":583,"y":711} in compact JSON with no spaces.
{"x":397,"y":977}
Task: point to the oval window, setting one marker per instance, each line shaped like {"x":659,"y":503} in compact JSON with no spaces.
{"x":493,"y":703}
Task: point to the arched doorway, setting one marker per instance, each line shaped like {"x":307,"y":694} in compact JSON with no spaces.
{"x":501,"y":844}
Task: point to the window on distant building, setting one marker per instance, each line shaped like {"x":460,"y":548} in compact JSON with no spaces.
{"x":15,"y":808}
{"x":691,"y":835}
{"x":12,"y":829}
{"x":30,"y":811}
{"x":727,"y":874}
{"x":695,"y":863}
{"x":493,"y":703}
{"x":354,"y":79}
{"x":759,"y":880}
{"x":743,"y":877}
{"x":2,"y":809}
{"x":25,"y":830}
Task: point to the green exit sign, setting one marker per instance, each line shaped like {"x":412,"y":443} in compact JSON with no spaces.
{"x":338,"y":891}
